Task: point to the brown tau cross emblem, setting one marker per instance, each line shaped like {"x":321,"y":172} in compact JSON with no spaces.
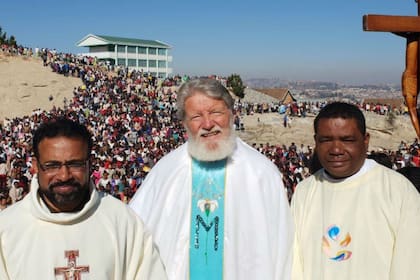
{"x":409,"y":28}
{"x":72,"y":271}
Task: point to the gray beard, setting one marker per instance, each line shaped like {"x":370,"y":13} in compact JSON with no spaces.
{"x":199,"y":151}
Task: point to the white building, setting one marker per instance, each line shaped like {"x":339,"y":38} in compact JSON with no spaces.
{"x":147,"y":55}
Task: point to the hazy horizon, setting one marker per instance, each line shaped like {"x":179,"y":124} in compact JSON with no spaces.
{"x":288,"y":40}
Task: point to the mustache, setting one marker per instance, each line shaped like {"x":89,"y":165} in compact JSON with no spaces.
{"x":72,"y":183}
{"x":203,"y":131}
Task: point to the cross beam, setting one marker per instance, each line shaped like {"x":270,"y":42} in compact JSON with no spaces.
{"x":409,"y":28}
{"x":391,"y":23}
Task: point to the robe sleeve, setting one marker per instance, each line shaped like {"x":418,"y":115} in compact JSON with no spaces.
{"x":405,"y":260}
{"x":3,"y":270}
{"x":297,"y":265}
{"x":142,"y":258}
{"x":151,"y":266}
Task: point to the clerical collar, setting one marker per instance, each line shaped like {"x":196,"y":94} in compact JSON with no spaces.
{"x":367,"y":165}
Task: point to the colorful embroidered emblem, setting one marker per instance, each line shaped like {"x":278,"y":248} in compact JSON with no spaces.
{"x":334,"y":244}
{"x":72,"y":271}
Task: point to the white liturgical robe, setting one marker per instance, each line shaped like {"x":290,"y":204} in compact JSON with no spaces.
{"x":258,"y":229}
{"x":364,"y":227}
{"x":105,"y":240}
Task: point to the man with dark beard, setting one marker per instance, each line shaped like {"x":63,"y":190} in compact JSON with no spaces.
{"x":216,"y":207}
{"x":63,"y":228}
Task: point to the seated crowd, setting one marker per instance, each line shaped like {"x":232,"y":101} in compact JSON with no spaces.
{"x":132,"y":116}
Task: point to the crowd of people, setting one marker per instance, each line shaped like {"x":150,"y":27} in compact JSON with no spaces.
{"x":215,"y":206}
{"x":132,"y":116}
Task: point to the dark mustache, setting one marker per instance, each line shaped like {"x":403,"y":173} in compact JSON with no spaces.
{"x":72,"y":183}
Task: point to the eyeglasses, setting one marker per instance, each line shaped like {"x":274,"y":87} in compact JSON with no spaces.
{"x":54,"y":167}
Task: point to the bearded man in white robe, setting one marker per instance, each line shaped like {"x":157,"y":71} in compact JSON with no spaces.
{"x":216,"y":207}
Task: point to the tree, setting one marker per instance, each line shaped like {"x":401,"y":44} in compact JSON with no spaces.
{"x":3,"y":37}
{"x":12,"y":41}
{"x":234,"y":82}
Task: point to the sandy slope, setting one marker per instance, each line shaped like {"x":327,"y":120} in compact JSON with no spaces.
{"x":270,"y":129}
{"x":26,"y":85}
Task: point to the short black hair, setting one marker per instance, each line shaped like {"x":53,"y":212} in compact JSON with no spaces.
{"x":61,"y":127}
{"x":341,"y":110}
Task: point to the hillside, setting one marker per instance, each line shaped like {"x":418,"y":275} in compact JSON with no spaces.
{"x":269,"y":129}
{"x":25,"y":85}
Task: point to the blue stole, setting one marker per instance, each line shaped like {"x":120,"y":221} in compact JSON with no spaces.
{"x":207,"y":220}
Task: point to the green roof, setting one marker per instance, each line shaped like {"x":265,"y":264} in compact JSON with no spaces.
{"x":130,"y":41}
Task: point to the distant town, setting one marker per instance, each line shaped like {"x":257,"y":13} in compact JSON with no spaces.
{"x":307,"y":90}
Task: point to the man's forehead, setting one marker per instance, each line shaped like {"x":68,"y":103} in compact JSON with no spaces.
{"x":327,"y":126}
{"x":336,"y":120}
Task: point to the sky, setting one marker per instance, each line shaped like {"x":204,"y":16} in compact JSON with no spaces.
{"x":297,"y":40}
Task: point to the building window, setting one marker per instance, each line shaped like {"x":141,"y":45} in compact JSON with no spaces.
{"x":132,"y":62}
{"x":142,"y":63}
{"x":152,"y":63}
{"x":142,"y":50}
{"x":121,"y":62}
{"x":152,"y":51}
{"x":111,"y":48}
{"x":131,"y":49}
{"x":121,"y":49}
{"x":162,"y":51}
{"x":162,"y":64}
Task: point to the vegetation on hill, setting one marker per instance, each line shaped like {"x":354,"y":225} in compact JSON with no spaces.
{"x":11,"y":40}
{"x":234,"y":82}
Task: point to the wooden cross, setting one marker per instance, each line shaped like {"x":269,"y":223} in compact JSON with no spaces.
{"x":72,"y":271}
{"x":409,"y":28}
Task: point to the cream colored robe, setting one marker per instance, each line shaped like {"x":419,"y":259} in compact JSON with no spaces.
{"x":105,"y":240}
{"x":378,"y":214}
